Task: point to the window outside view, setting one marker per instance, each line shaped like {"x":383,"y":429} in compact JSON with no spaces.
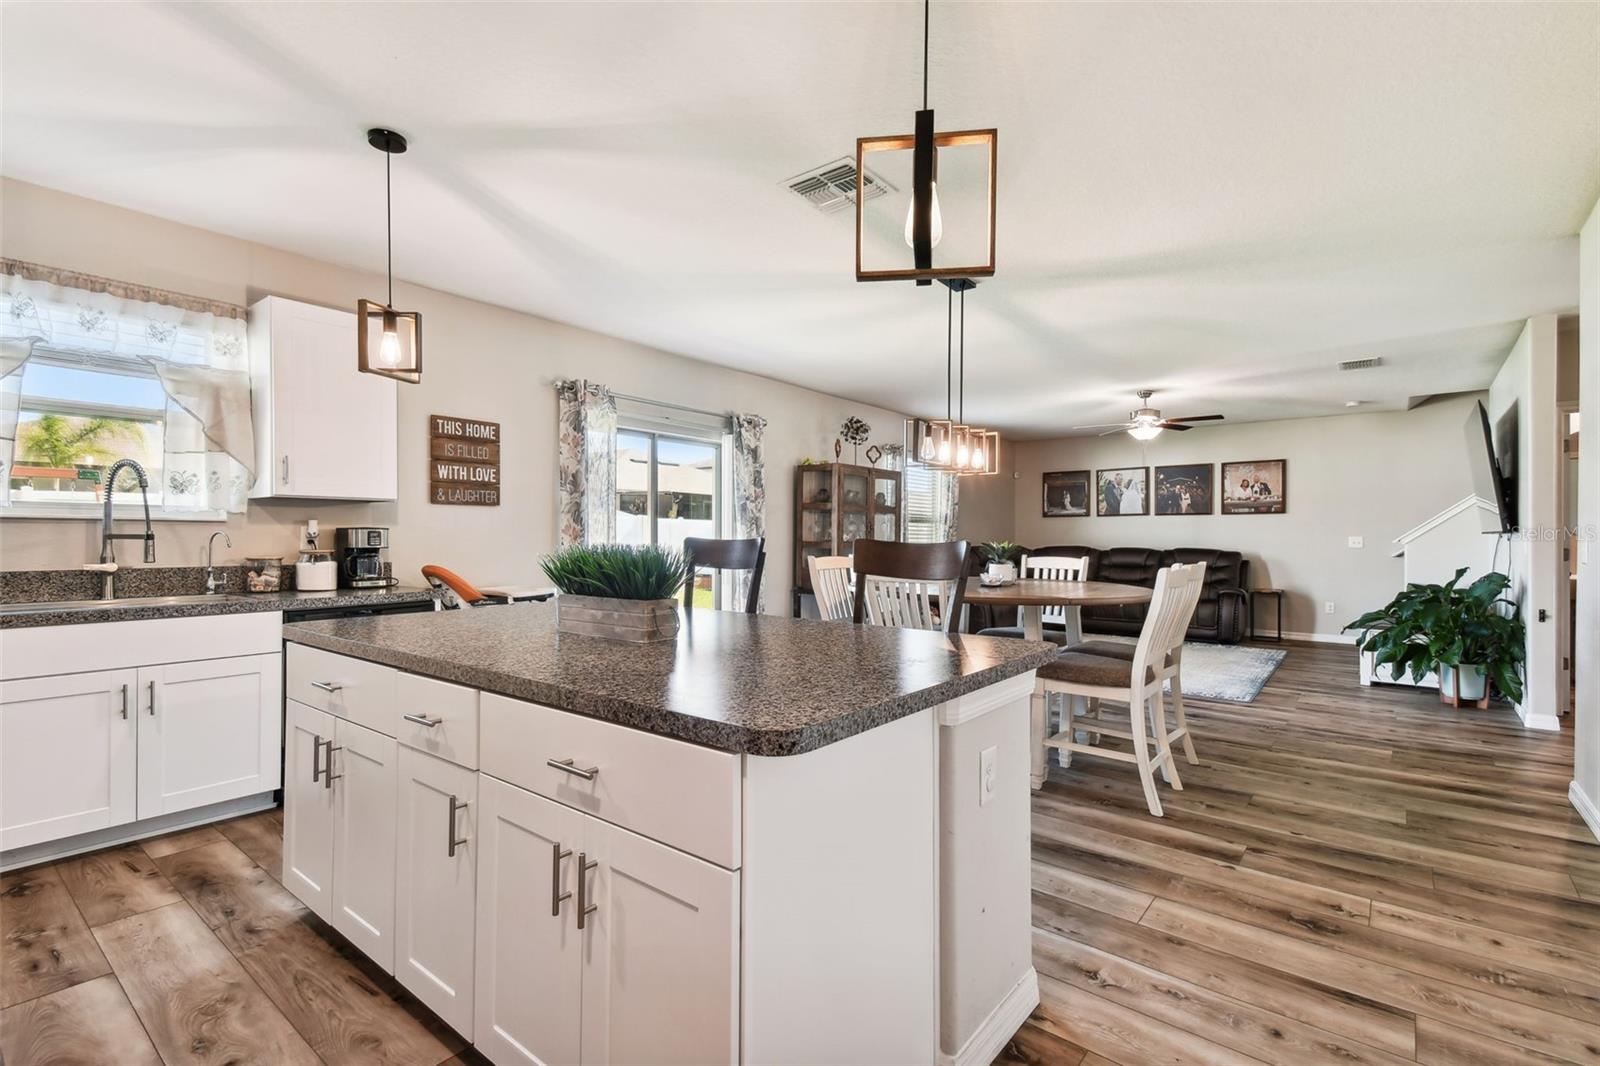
{"x":74,"y":423}
{"x":685,"y":478}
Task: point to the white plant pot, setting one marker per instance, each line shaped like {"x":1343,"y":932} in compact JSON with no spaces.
{"x":1473,"y":681}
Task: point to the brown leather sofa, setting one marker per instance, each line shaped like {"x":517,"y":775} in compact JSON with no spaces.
{"x":1220,"y":617}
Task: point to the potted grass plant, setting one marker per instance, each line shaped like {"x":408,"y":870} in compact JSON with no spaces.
{"x":1464,"y":635}
{"x":617,"y":591}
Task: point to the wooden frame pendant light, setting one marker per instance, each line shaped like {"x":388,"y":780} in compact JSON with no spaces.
{"x":925,"y":223}
{"x":388,"y":342}
{"x":948,"y":443}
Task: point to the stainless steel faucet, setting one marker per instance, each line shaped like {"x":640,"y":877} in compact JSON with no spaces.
{"x":107,"y":551}
{"x":214,"y":583}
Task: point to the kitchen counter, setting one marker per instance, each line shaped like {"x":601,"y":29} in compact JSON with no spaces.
{"x":752,"y":684}
{"x":79,"y":612}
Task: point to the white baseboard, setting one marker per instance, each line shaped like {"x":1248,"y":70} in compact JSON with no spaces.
{"x":51,"y":850}
{"x":1313,"y":638}
{"x":990,"y":1038}
{"x":1585,"y":808}
{"x":1547,"y":722}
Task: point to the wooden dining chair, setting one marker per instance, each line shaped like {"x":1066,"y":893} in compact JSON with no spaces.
{"x":1139,"y":680}
{"x":831,"y":585}
{"x":454,"y":590}
{"x":911,"y":586}
{"x":1046,"y":568}
{"x":713,"y":554}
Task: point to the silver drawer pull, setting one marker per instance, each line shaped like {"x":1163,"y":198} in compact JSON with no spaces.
{"x":557,"y":897}
{"x":568,"y":766}
{"x":328,"y":776}
{"x":450,"y":826}
{"x":124,"y":701}
{"x":585,"y":908}
{"x":327,"y":686}
{"x":422,"y":719}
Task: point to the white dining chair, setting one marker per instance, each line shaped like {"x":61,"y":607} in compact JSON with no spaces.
{"x":832,"y":581}
{"x":1140,"y":680}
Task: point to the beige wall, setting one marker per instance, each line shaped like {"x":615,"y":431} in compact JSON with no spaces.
{"x":1368,"y":475}
{"x":483,"y":362}
{"x":1586,"y":774}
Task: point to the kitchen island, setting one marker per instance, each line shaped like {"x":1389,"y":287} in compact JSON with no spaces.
{"x":771,"y":840}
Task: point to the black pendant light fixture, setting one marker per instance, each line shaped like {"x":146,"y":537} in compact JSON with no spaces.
{"x":927,"y":220}
{"x":389,"y":342}
{"x":948,"y":443}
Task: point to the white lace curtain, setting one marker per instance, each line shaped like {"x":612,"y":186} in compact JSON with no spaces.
{"x":586,"y":454}
{"x":195,"y":348}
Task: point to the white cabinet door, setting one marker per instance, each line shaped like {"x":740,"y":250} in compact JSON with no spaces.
{"x":660,"y":953}
{"x":67,"y":755}
{"x":435,"y":885}
{"x":362,"y":768}
{"x":308,"y":808}
{"x":208,"y":731}
{"x":331,"y":428}
{"x":529,"y":978}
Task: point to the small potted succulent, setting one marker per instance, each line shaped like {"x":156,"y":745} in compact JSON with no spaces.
{"x":1000,"y":558}
{"x":1464,"y":635}
{"x":617,"y":591}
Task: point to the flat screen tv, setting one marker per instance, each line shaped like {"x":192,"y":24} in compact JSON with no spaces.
{"x":1490,"y":479}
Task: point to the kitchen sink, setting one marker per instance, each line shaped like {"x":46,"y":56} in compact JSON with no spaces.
{"x":120,"y":603}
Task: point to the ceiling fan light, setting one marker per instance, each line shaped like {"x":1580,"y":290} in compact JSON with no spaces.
{"x":1144,"y":431}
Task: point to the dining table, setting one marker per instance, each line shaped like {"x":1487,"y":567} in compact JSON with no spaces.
{"x":1033,"y":595}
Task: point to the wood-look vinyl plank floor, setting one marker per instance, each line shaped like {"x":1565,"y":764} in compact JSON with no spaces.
{"x":112,"y":884}
{"x":45,"y":945}
{"x":89,"y":1022}
{"x":1430,"y":894}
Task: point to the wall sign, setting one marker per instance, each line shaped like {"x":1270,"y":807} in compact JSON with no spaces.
{"x":463,"y":461}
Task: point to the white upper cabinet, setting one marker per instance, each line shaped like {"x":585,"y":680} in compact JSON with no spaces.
{"x":324,"y":430}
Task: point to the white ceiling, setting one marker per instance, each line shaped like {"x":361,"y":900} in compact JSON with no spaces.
{"x":1217,"y":201}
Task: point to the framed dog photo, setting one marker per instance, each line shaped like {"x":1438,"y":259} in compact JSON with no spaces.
{"x":1066,"y":494}
{"x":1124,"y":490}
{"x":1185,"y":489}
{"x":1260,"y":486}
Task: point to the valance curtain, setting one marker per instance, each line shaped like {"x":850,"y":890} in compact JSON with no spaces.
{"x":749,"y":488}
{"x":586,"y":480}
{"x":196,"y":349}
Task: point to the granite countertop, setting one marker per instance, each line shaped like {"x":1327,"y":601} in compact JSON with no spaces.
{"x":79,"y":612}
{"x":759,"y":684}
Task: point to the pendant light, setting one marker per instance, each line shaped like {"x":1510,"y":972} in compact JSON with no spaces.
{"x":924,"y":226}
{"x":949,"y":444}
{"x":388,"y":342}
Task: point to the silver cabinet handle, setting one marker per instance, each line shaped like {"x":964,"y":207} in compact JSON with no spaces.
{"x":327,"y":686}
{"x":557,"y":897}
{"x":152,"y":699}
{"x":568,"y":766}
{"x":328,"y":776}
{"x":450,"y":826}
{"x":316,"y":758}
{"x":124,"y":702}
{"x":585,"y":908}
{"x":285,"y":469}
{"x":422,"y":719}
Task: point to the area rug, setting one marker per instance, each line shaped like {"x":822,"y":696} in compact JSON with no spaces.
{"x":1228,"y":672}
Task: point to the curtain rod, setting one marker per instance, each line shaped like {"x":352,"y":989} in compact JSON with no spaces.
{"x":672,"y":406}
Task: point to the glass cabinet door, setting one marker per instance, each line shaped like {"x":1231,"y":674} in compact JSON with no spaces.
{"x":854,"y":491}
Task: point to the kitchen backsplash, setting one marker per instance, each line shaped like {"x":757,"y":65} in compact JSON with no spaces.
{"x":39,"y":586}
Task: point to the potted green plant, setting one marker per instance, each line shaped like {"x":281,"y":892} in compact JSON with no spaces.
{"x":1000,"y":558}
{"x":617,"y":591}
{"x":1462,"y":634}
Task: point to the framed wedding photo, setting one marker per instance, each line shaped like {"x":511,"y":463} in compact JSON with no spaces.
{"x":1122,"y":491}
{"x":1185,"y":489}
{"x":1066,"y":494}
{"x":1260,"y":486}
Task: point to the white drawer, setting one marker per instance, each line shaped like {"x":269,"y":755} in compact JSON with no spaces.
{"x":355,"y":689}
{"x":452,"y":711}
{"x":678,"y":793}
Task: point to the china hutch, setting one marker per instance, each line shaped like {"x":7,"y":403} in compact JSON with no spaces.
{"x":836,"y":503}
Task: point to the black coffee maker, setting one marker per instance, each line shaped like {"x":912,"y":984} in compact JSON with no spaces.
{"x":359,"y":553}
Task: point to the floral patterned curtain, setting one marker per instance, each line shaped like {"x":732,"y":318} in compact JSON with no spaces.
{"x":586,"y":481}
{"x":749,"y":489}
{"x":195,"y":348}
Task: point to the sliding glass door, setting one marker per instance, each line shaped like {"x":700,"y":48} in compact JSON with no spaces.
{"x":669,"y":488}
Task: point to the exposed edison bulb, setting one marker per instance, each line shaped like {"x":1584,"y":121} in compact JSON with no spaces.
{"x":944,"y":448}
{"x":963,"y":454}
{"x":389,"y":348}
{"x":1145,"y":431}
{"x":926,"y":451}
{"x":979,"y":460}
{"x":935,"y":221}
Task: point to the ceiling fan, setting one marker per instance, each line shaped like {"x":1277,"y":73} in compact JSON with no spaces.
{"x":1146,"y":422}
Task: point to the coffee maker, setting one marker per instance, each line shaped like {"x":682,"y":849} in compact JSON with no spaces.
{"x":358,"y":550}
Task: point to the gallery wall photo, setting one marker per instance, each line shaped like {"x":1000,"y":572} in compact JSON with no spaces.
{"x":1185,"y":489}
{"x":1260,"y":486}
{"x":1066,"y":493}
{"x":1123,"y":490}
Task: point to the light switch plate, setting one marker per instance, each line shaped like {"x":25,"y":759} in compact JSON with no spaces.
{"x":986,"y":772}
{"x":1357,"y":542}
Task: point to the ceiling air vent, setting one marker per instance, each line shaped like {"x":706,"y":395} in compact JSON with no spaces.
{"x":831,"y":187}
{"x":1361,"y":364}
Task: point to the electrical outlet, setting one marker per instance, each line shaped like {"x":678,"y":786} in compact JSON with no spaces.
{"x":1357,"y":542}
{"x":1327,"y":608}
{"x":986,"y":775}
